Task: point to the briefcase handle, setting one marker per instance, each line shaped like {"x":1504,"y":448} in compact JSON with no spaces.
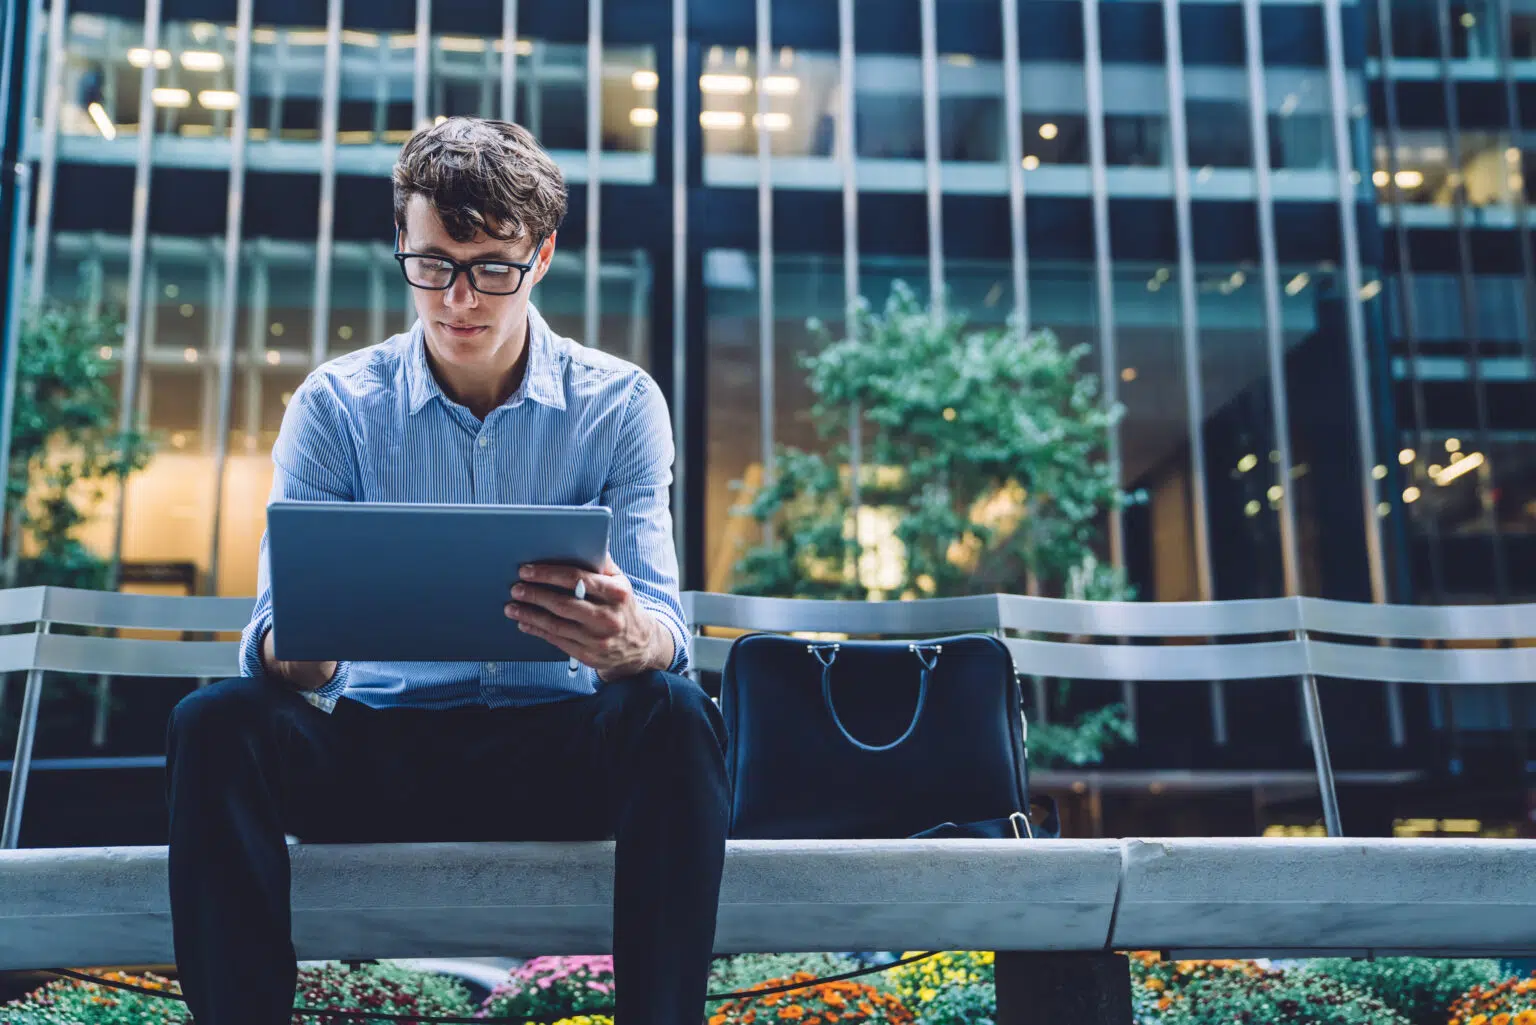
{"x":927,"y":657}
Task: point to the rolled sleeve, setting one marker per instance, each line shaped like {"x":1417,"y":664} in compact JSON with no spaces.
{"x":311,"y":462}
{"x":638,"y":493}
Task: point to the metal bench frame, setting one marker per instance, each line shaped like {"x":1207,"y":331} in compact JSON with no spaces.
{"x":1086,"y":645}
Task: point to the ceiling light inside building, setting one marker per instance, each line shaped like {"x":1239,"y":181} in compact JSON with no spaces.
{"x":1383,"y":508}
{"x":781,"y":85}
{"x":186,"y":309}
{"x":1274,"y":492}
{"x":139,"y":58}
{"x":1128,"y":375}
{"x":1378,"y":472}
{"x":1370,"y":290}
{"x":722,"y":119}
{"x":1453,"y":444}
{"x":1472,"y":461}
{"x":1048,"y":131}
{"x":642,"y":117}
{"x":103,"y":123}
{"x":1468,"y":20}
{"x":645,"y":80}
{"x":725,"y":85}
{"x":189,"y":354}
{"x":274,"y":357}
{"x":1031,"y":162}
{"x":1247,"y":463}
{"x":167,"y":96}
{"x":1409,"y":179}
{"x":202,"y":60}
{"x":1411,"y":494}
{"x":461,"y":44}
{"x":1289,"y":104}
{"x":1406,"y":456}
{"x":774,"y":121}
{"x":219,"y":99}
{"x":1252,"y":508}
{"x":1380,"y":179}
{"x":105,"y":352}
{"x":1296,"y":284}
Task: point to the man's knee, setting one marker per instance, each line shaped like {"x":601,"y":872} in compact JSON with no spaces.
{"x":680,"y":702}
{"x":224,"y":711}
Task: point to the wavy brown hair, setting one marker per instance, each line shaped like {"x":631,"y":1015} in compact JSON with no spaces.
{"x":481,"y":176}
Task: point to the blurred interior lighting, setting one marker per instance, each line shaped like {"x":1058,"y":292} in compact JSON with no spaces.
{"x":1472,"y":461}
{"x":642,"y":117}
{"x":169,"y":96}
{"x":781,"y":85}
{"x":725,"y":85}
{"x":202,"y":60}
{"x":139,"y":58}
{"x":218,"y":99}
{"x":103,"y":123}
{"x":722,"y":119}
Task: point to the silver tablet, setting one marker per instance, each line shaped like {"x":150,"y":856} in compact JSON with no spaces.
{"x":383,"y":582}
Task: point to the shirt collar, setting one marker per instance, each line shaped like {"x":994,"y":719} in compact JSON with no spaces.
{"x":541,"y":380}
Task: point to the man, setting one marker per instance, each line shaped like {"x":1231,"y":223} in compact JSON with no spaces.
{"x":480,"y":402}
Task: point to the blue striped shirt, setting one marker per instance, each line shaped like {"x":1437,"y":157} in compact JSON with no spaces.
{"x":583,"y":428}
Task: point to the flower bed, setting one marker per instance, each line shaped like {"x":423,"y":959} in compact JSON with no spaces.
{"x":550,"y":988}
{"x":826,"y":1003}
{"x":1510,"y":1002}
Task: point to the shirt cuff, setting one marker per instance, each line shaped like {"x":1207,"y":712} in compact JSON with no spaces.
{"x":251,"y":643}
{"x":679,"y":664}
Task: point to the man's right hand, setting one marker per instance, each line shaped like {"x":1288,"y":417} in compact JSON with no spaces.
{"x":299,"y":675}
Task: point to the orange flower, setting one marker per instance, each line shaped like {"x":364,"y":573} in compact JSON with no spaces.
{"x":717,"y":1019}
{"x":1478,"y":1019}
{"x":1155,"y":984}
{"x":792,"y":1012}
{"x":867,"y":1008}
{"x":1165,"y":1003}
{"x":1501,"y":1019}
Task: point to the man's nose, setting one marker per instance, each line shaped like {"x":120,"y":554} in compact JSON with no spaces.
{"x":462,"y":293}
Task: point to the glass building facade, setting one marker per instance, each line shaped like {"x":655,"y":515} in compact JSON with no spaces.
{"x":1293,"y":236}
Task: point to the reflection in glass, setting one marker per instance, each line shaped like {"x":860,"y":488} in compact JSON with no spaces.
{"x":1135,"y":115}
{"x":1054,"y":106}
{"x":1424,"y":173}
{"x":733,"y":445}
{"x":1299,"y":119}
{"x":802,"y":93}
{"x":100,"y":94}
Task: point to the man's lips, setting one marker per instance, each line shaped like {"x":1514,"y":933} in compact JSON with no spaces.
{"x":463,"y":330}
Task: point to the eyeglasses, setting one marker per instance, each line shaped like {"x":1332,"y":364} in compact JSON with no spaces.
{"x":488,"y":277}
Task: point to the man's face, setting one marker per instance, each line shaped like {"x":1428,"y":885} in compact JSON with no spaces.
{"x":465,"y":328}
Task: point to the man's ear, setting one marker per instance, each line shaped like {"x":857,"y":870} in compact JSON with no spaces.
{"x":545,"y":257}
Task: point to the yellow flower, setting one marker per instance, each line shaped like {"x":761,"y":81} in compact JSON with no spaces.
{"x":1526,"y":1017}
{"x":1501,"y":1019}
{"x":1478,"y":1019}
{"x":1155,"y":984}
{"x":926,"y":994}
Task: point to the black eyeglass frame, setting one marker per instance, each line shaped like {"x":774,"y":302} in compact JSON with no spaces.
{"x":467,"y":268}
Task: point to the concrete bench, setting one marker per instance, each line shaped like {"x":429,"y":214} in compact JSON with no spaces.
{"x":1054,"y":910}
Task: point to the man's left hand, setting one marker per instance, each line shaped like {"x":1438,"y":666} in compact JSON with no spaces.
{"x":606,"y":629}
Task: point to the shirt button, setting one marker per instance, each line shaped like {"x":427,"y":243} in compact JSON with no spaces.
{"x":484,"y":441}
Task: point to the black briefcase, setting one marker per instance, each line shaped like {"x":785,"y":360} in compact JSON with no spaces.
{"x":877,"y":739}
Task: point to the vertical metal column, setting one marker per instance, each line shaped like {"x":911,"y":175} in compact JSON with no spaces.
{"x":133,"y":339}
{"x":330,"y":101}
{"x":509,"y":60}
{"x":933,"y":184}
{"x":765,"y":382}
{"x":256,"y":344}
{"x":48,"y":158}
{"x":1093,"y":80}
{"x":1189,"y":324}
{"x":592,"y":295}
{"x":848,"y":151}
{"x":1407,"y":309}
{"x":1522,"y":208}
{"x":230,"y":305}
{"x":1258,"y":105}
{"x":1333,"y":35}
{"x":423,"y":55}
{"x":681,"y":479}
{"x":1014,"y":135}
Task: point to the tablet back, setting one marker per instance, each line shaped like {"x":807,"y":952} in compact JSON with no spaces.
{"x":366,"y":581}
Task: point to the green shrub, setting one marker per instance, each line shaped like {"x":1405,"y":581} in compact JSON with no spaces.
{"x":738,"y":972}
{"x":71,"y":1002}
{"x":1273,"y":998}
{"x":1421,"y":989}
{"x":970,"y":1003}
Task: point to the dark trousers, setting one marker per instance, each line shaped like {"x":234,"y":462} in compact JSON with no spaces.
{"x":641,"y":761}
